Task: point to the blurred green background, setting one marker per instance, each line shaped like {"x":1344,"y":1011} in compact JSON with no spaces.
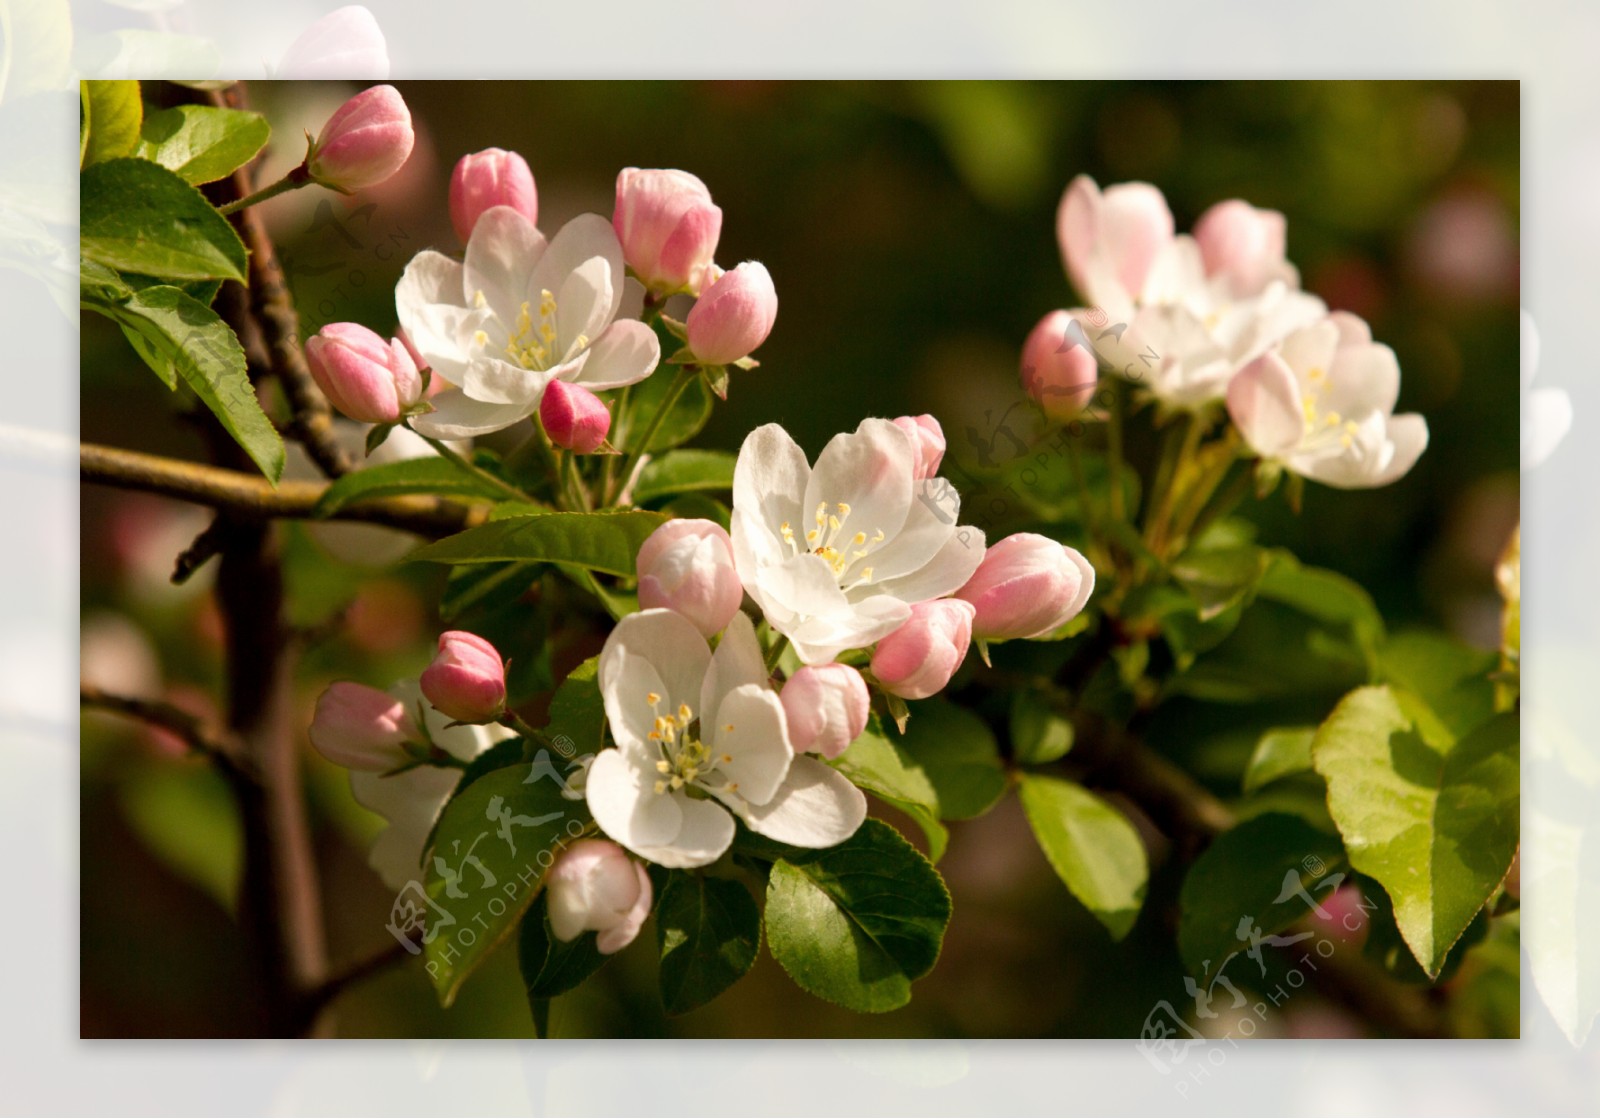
{"x":910,"y":231}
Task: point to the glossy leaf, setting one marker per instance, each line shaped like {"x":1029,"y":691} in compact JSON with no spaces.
{"x":552,"y":967}
{"x":683,"y":420}
{"x":577,"y":711}
{"x":958,"y":752}
{"x":1279,"y":752}
{"x":202,"y":143}
{"x":1247,"y":887}
{"x":685,"y":471}
{"x":708,"y":931}
{"x":494,"y":845}
{"x":1092,"y":847}
{"x":137,"y":216}
{"x":112,"y":111}
{"x":1039,"y":733}
{"x":430,"y":474}
{"x":877,"y":765}
{"x":855,"y":924}
{"x":1434,"y":819}
{"x":607,"y":541}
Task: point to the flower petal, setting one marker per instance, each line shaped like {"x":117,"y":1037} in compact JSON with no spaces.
{"x":499,"y":382}
{"x":623,"y":801}
{"x":410,"y":801}
{"x":651,"y":646}
{"x":945,"y":572}
{"x":456,"y":415}
{"x":736,"y":663}
{"x":1363,"y":378}
{"x":1264,"y":401}
{"x":583,"y":304}
{"x":769,"y":482}
{"x":501,"y":255}
{"x":870,"y":471}
{"x":820,"y":639}
{"x":583,"y":238}
{"x":752,"y":732}
{"x":625,"y":353}
{"x":704,"y":835}
{"x":814,"y":807}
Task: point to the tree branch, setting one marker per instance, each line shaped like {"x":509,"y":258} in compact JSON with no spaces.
{"x":214,"y":742}
{"x":250,"y":496}
{"x":318,"y":998}
{"x":272,"y":308}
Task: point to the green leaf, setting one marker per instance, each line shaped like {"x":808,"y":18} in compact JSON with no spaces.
{"x":495,"y":842}
{"x":857,"y":923}
{"x":1327,"y":596}
{"x":502,"y":755}
{"x":1432,"y":818}
{"x":1452,"y":678}
{"x":682,"y":422}
{"x":202,"y":143}
{"x":112,"y":110}
{"x":1246,"y":883}
{"x":685,"y":471}
{"x":709,"y":932}
{"x":1278,"y":753}
{"x":99,"y":286}
{"x":178,"y":336}
{"x":431,"y":474}
{"x":957,"y":750}
{"x":137,"y":216}
{"x":484,"y":587}
{"x":1039,"y":733}
{"x":1091,"y":846}
{"x":606,"y":541}
{"x":578,"y":712}
{"x":1221,"y":578}
{"x":879,"y":766}
{"x":552,"y":967}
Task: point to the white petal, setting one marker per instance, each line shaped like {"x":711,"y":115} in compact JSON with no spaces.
{"x":1408,"y":436}
{"x":501,"y":255}
{"x":704,"y":835}
{"x":814,"y":807}
{"x":583,"y":238}
{"x":456,"y":415}
{"x":632,"y":305}
{"x":1313,"y":347}
{"x":499,"y":382}
{"x":583,"y":303}
{"x":1364,"y":378}
{"x":736,"y":663}
{"x":1264,"y":401}
{"x":818,"y":640}
{"x":769,"y":481}
{"x":929,"y":524}
{"x":871,"y":470}
{"x":410,"y":802}
{"x":945,"y":572}
{"x":621,"y":796}
{"x":625,"y":353}
{"x":804,"y":584}
{"x":675,"y":653}
{"x":757,"y":743}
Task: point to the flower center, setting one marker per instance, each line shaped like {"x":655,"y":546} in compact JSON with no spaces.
{"x":531,"y":343}
{"x":829,"y":539}
{"x":1325,"y":430}
{"x":686,"y":760}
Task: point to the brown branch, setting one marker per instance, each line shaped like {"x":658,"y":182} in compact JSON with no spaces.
{"x":251,"y":497}
{"x":314,"y":1001}
{"x":201,"y":737}
{"x":277,"y":326}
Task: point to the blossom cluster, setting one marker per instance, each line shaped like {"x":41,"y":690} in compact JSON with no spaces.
{"x":1218,"y":316}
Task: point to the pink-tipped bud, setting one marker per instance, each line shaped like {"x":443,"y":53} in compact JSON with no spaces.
{"x":668,"y":227}
{"x":1242,"y":243}
{"x":1343,"y":917}
{"x":687,"y":565}
{"x":467,"y":679}
{"x":574,"y":417}
{"x":367,"y":139}
{"x":1027,"y":586}
{"x":362,"y":728}
{"x":483,"y":180}
{"x":918,"y":659}
{"x":364,"y":376}
{"x":734,"y":316}
{"x":594,"y":885}
{"x":827,"y":707}
{"x":1059,"y":369}
{"x":927,"y":440}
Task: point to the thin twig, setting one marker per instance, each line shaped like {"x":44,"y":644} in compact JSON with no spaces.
{"x":200,"y":736}
{"x":253,"y":497}
{"x":317,"y":999}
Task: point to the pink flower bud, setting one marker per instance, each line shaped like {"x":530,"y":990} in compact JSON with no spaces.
{"x":668,"y":227}
{"x":1059,"y":370}
{"x":1027,"y":586}
{"x":574,"y":417}
{"x":363,"y":376}
{"x":734,"y":316}
{"x":1242,"y":243}
{"x":927,"y":439}
{"x":1344,"y":916}
{"x":594,"y":885}
{"x":367,"y":139}
{"x":687,"y":565}
{"x":826,"y":705}
{"x":918,"y":659}
{"x":362,"y":728}
{"x":467,"y":680}
{"x":492,"y":177}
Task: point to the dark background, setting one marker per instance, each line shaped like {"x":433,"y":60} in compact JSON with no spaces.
{"x":910,"y":231}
